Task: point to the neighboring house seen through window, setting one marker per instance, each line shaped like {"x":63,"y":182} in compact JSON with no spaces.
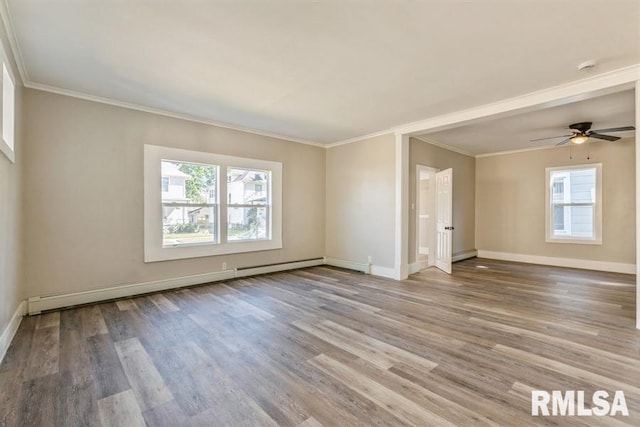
{"x":188,"y":218}
{"x":574,"y":209}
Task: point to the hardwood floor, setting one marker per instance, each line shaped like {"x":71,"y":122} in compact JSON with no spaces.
{"x":324,"y":346}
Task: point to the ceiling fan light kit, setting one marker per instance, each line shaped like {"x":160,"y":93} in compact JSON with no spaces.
{"x":579,"y":139}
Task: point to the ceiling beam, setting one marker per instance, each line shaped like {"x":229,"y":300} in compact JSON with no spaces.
{"x":579,"y":90}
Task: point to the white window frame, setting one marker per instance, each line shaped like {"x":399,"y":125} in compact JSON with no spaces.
{"x":597,"y":207}
{"x":153,"y":248}
{"x":7,"y":122}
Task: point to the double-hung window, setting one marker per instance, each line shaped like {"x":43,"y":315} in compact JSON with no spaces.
{"x":574,"y":204}
{"x":202,"y":204}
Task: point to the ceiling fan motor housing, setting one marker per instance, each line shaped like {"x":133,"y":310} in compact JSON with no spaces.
{"x":581,"y":127}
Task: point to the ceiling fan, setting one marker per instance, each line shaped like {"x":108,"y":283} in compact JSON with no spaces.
{"x":581,"y":132}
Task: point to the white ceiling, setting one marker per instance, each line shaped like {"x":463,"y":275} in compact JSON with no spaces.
{"x":321,"y":71}
{"x":516,"y":132}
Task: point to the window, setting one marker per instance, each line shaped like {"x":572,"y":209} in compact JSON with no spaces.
{"x":190,"y":211}
{"x":573,"y":204}
{"x":189,"y":214}
{"x":8,"y":112}
{"x":248,"y":210}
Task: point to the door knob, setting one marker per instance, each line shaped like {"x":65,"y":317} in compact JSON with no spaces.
{"x":448,"y":228}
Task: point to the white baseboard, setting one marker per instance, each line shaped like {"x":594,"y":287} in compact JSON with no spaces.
{"x":615,"y":267}
{"x":11,"y":329}
{"x":387,"y":272}
{"x":415,"y":267}
{"x":253,"y":271}
{"x":351,"y":265}
{"x":464,"y":255}
{"x":40,"y":303}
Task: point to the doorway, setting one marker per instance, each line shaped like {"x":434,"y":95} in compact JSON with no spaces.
{"x":434,"y":223}
{"x":425,"y":216}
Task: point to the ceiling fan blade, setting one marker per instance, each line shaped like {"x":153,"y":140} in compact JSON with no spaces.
{"x":620,"y":129}
{"x":605,"y":137}
{"x":551,"y":137}
{"x":564,"y":142}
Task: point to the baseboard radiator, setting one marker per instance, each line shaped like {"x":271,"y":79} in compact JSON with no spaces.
{"x":38,"y":304}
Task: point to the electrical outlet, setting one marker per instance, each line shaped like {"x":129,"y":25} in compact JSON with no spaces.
{"x":369,"y":259}
{"x":224,"y":265}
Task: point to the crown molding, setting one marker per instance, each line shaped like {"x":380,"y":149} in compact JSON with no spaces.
{"x":5,"y":14}
{"x":601,"y":84}
{"x":359,"y":138}
{"x":423,"y":138}
{"x":165,"y":113}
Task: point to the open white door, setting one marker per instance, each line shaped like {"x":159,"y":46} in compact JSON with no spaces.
{"x":444,"y":219}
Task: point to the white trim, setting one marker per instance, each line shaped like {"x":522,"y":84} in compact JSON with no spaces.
{"x":253,"y":271}
{"x":11,"y":329}
{"x":614,"y":267}
{"x":610,"y":82}
{"x":459,"y":256}
{"x":520,"y":150}
{"x":7,"y":20}
{"x":40,"y":303}
{"x":351,"y":265}
{"x":7,"y":98}
{"x":426,"y":139}
{"x":415,"y":267}
{"x":359,"y":138}
{"x":637,"y":172}
{"x":9,"y":152}
{"x":166,"y":113}
{"x":401,"y":235}
{"x":389,"y":273}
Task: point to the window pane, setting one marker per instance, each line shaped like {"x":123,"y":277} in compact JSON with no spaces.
{"x":581,"y":221}
{"x":247,"y":223}
{"x":574,"y":186}
{"x":189,"y":183}
{"x":185,"y":184}
{"x":583,"y":185}
{"x":558,"y":220}
{"x":248,"y":187}
{"x":558,"y":190}
{"x":184,"y":225}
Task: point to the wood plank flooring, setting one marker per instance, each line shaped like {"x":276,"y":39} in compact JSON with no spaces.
{"x":330,"y":347}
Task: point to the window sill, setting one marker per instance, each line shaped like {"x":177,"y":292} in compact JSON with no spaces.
{"x":574,"y":241}
{"x":168,"y":253}
{"x":7,"y":151}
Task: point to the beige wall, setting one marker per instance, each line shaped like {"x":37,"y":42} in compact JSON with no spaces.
{"x":11,"y":291}
{"x":464,"y":182}
{"x":361,"y":201}
{"x":83,"y":207}
{"x":510,"y":202}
